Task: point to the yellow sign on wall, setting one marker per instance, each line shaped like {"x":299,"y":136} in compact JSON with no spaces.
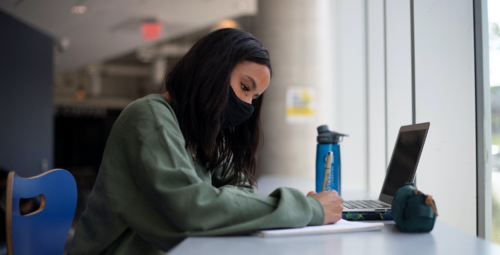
{"x":299,"y":105}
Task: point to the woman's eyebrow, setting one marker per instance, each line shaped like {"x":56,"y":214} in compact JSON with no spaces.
{"x":254,"y":86}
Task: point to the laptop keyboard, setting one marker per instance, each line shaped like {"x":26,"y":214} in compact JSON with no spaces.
{"x":364,"y":204}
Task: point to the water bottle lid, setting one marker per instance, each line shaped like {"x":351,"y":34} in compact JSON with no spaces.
{"x":326,"y":136}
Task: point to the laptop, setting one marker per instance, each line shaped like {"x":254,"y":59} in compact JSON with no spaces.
{"x":401,"y":169}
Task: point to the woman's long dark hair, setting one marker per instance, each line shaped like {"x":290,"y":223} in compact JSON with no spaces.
{"x":199,"y":89}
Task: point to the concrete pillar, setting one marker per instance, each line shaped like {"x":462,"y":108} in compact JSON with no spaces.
{"x":95,"y":80}
{"x":299,"y":37}
{"x":158,"y":72}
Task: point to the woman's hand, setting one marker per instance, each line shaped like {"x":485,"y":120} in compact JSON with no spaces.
{"x":332,"y":205}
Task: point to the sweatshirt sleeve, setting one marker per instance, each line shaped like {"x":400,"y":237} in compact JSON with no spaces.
{"x":163,"y":170}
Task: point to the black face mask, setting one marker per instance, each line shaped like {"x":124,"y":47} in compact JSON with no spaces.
{"x":237,"y":110}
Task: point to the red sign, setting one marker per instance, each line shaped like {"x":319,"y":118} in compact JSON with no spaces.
{"x":151,"y":31}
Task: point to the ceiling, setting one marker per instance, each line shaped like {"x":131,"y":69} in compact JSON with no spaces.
{"x":110,"y":28}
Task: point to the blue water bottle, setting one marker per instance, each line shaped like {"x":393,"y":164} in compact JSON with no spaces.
{"x":328,"y":141}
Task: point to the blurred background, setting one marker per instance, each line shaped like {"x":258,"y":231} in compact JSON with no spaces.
{"x":68,"y":68}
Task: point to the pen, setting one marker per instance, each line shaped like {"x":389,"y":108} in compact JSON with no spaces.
{"x":329,"y":158}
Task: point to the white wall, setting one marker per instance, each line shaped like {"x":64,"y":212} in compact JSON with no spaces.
{"x":362,"y":89}
{"x":376,"y":96}
{"x":445,"y":97}
{"x":351,"y":90}
{"x":399,"y":111}
{"x":372,"y":91}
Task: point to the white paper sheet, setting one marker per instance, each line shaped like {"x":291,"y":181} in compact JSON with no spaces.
{"x":340,"y":226}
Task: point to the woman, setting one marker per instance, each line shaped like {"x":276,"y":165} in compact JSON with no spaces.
{"x":183,"y":163}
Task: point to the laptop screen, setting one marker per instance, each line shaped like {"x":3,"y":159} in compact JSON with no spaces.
{"x":404,"y":160}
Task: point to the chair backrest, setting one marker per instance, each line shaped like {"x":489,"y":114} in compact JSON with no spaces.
{"x":45,"y":230}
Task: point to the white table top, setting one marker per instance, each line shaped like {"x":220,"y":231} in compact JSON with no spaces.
{"x":444,"y":239}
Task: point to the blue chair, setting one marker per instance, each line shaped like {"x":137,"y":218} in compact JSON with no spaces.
{"x":45,"y":230}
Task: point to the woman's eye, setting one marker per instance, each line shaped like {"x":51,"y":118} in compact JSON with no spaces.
{"x":244,"y":88}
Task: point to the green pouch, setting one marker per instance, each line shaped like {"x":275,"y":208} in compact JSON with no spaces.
{"x":412,"y":210}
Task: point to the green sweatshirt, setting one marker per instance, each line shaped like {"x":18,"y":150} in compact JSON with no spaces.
{"x":149,"y":195}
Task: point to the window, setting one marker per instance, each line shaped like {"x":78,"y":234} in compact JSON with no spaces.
{"x":494,"y":56}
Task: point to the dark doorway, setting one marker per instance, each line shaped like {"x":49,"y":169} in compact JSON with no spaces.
{"x":80,"y":138}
